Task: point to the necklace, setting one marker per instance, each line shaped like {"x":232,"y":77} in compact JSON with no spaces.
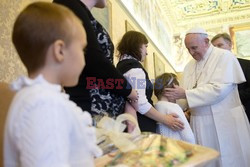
{"x":198,"y":78}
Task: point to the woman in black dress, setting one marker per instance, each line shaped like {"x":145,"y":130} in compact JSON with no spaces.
{"x":99,"y":66}
{"x":132,"y":50}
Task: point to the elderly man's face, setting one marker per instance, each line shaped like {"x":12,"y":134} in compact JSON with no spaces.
{"x":222,"y":43}
{"x":197,"y":45}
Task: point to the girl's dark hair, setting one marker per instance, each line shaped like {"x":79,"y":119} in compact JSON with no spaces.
{"x":166,"y":80}
{"x":131,"y":43}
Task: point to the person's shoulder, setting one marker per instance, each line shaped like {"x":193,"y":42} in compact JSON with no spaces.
{"x":33,"y":99}
{"x":191,"y":63}
{"x":165,"y":104}
{"x":244,"y":60}
{"x":127,"y":64}
{"x":172,"y":105}
{"x":224,"y":55}
{"x":223,"y":52}
{"x":129,"y":61}
{"x":245,"y":65}
{"x":77,"y":6}
{"x":39,"y":95}
{"x":168,"y":107}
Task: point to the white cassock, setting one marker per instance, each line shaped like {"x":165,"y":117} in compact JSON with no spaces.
{"x":218,"y":119}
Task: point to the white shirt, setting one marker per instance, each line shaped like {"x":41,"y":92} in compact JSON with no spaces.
{"x":167,"y":108}
{"x":45,"y":129}
{"x":137,"y":79}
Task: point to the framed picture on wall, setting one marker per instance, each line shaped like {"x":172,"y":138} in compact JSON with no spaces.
{"x":104,"y":16}
{"x":241,"y":41}
{"x":128,"y":26}
{"x":159,"y":66}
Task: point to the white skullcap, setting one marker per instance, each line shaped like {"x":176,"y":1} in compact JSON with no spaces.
{"x":196,"y":30}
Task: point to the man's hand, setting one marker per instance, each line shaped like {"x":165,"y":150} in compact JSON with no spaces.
{"x":175,"y":93}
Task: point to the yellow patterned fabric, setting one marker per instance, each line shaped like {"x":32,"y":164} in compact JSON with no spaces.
{"x":10,"y":64}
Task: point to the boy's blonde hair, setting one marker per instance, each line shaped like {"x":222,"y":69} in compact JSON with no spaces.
{"x":166,"y":80}
{"x":38,"y":26}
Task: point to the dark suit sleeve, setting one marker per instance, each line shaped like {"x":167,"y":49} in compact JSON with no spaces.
{"x":244,"y":88}
{"x":96,"y":63}
{"x":244,"y":93}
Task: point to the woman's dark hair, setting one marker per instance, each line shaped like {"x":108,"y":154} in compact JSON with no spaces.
{"x":166,"y":80}
{"x":131,"y":43}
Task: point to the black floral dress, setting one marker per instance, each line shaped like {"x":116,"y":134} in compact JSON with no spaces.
{"x":99,"y":64}
{"x":103,"y":102}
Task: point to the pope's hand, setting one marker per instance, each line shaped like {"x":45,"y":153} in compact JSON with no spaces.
{"x":175,"y":93}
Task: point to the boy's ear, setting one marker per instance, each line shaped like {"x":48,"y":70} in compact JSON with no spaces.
{"x":59,"y":47}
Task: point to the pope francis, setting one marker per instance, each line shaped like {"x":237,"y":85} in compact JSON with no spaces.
{"x":209,"y":90}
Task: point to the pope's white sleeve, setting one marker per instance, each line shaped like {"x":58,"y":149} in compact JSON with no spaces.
{"x":208,"y":94}
{"x":137,"y":78}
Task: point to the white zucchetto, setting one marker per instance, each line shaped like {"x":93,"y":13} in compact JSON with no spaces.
{"x":196,"y":30}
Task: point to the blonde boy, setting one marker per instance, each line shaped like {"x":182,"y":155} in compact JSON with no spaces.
{"x":44,"y":128}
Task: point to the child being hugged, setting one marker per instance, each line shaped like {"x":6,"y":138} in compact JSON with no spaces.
{"x":44,"y":128}
{"x":166,"y":106}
